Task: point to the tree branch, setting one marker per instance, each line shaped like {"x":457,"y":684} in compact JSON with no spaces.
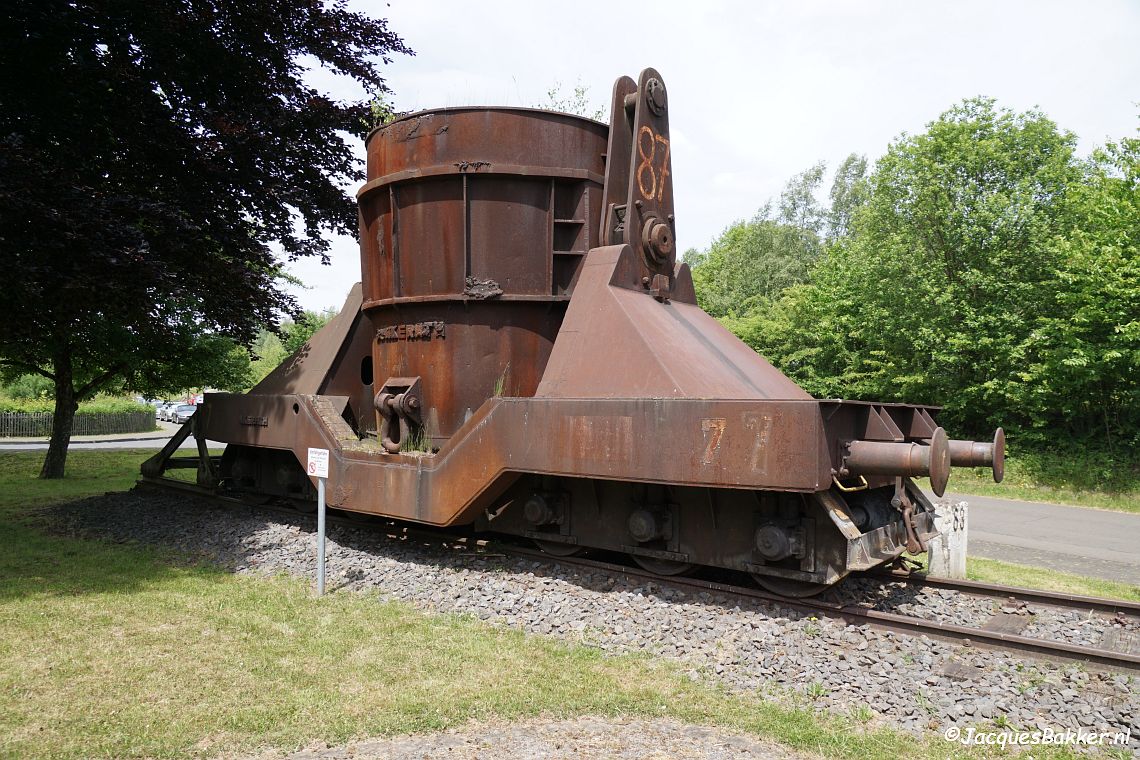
{"x":99,"y":381}
{"x":30,"y":367}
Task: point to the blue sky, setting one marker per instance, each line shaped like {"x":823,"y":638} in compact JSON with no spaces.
{"x":759,"y":91}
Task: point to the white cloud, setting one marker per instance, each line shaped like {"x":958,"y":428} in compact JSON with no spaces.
{"x":761,"y":90}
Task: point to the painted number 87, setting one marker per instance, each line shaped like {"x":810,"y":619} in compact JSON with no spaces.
{"x":650,"y":180}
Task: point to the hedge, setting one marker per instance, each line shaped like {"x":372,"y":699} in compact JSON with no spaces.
{"x":97,"y":405}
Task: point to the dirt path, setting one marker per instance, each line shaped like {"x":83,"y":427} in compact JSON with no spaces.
{"x":614,"y":738}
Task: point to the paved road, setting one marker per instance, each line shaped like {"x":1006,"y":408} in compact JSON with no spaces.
{"x":155,"y":440}
{"x":1092,"y":542}
{"x":128,"y":443}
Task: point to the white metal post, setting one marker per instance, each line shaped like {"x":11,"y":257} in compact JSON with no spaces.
{"x":318,"y":467}
{"x":320,"y":536}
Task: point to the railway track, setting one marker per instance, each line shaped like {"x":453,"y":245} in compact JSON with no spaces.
{"x":907,"y":624}
{"x":1027,"y":595}
{"x":853,"y":614}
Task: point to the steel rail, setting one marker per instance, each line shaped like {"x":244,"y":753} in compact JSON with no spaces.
{"x":1030,"y":595}
{"x":851,"y":614}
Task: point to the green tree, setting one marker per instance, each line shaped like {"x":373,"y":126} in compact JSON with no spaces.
{"x":848,"y":193}
{"x":150,"y":152}
{"x":936,"y":293}
{"x":753,"y":261}
{"x":195,"y":360}
{"x":29,"y":386}
{"x":297,"y":332}
{"x":1083,"y":356}
{"x":265,"y":354}
{"x":271,"y":348}
{"x":799,"y":207}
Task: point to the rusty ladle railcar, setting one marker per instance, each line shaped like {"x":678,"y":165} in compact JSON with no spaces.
{"x":525,"y":355}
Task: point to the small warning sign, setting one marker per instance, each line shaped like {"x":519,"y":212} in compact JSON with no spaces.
{"x":318,"y":463}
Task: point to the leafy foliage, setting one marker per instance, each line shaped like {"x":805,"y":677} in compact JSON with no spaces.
{"x":849,"y":192}
{"x":271,"y":348}
{"x":1065,"y":473}
{"x":265,"y":355}
{"x":380,"y":112}
{"x":981,"y":266}
{"x":28,"y":388}
{"x":297,"y":333}
{"x":754,"y":261}
{"x":97,"y":405}
{"x":149,"y":155}
{"x":577,"y":101}
{"x":1083,"y":357}
{"x":934,"y":294}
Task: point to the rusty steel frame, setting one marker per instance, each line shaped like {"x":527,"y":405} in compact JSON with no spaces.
{"x":522,"y":315}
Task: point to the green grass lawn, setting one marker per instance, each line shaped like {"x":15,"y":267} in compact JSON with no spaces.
{"x":1024,"y":576}
{"x":1023,"y":487}
{"x":1009,"y":574}
{"x":1073,"y":476}
{"x":116,"y":651}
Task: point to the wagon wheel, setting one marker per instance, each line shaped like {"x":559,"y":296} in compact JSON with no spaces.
{"x":788,"y":587}
{"x":662,"y":566}
{"x":559,"y":549}
{"x":305,"y":507}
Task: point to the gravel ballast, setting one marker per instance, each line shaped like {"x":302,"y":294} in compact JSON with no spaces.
{"x":912,"y":683}
{"x":1039,"y":621}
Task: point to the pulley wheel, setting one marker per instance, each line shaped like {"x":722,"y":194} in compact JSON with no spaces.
{"x":559,"y":549}
{"x":789,"y":587}
{"x":662,"y":566}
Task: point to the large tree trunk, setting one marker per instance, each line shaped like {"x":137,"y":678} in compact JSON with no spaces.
{"x":64,"y":417}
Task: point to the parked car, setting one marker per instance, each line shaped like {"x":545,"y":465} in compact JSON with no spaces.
{"x":183,"y":412}
{"x":159,"y":406}
{"x":166,"y":411}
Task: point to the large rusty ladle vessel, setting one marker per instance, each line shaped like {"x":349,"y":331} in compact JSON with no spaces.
{"x":524,"y":355}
